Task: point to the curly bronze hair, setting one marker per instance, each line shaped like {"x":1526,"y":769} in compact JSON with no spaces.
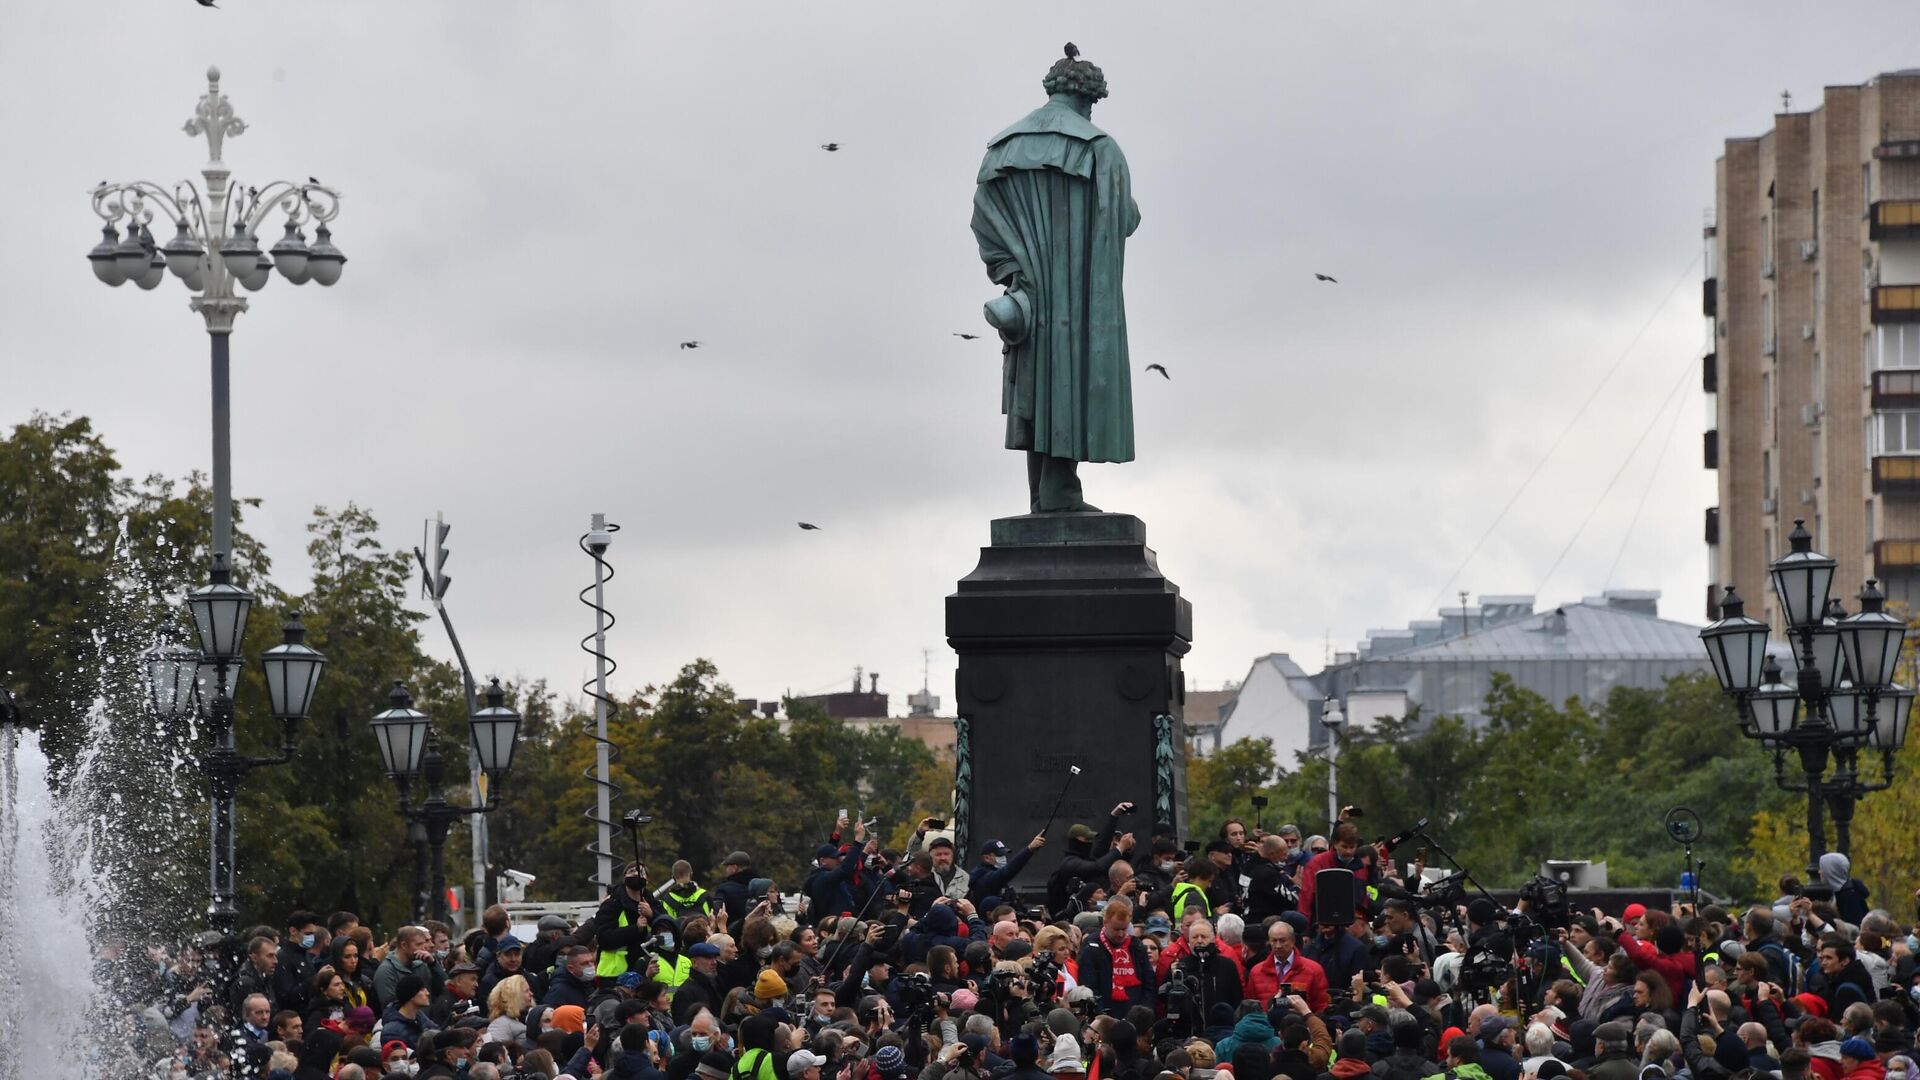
{"x":1077,"y":77}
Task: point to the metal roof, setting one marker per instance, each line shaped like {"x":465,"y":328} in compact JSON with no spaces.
{"x":1593,"y":631}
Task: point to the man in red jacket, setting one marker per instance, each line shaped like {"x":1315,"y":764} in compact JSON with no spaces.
{"x":1283,"y":966}
{"x":1343,"y":853}
{"x":1667,"y":956}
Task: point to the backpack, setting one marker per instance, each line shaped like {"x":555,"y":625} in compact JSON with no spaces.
{"x":1788,"y":962}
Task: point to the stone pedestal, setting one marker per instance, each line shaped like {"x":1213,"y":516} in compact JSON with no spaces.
{"x":1069,"y":640}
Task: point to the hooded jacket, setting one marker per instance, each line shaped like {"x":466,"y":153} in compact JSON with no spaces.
{"x":1253,"y":1029}
{"x":1849,"y":896}
{"x":988,"y":881}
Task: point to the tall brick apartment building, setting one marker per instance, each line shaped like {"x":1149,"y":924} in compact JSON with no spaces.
{"x":1813,"y":286}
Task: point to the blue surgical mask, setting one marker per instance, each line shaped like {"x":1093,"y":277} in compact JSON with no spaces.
{"x":306,"y":941}
{"x":666,"y":941}
{"x":1380,"y":940}
{"x":1913,"y":944}
{"x":701,"y":1043}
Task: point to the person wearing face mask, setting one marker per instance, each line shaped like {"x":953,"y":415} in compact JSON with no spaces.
{"x":300,"y":949}
{"x":573,"y":979}
{"x":622,"y":926}
{"x":1155,"y":870}
{"x":996,"y":870}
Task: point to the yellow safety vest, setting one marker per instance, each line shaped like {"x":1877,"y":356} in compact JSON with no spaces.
{"x":1187,"y":890}
{"x":613,"y":962}
{"x":678,"y":905}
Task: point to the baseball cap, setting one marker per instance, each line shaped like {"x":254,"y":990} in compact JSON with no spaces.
{"x":1158,"y":926}
{"x":827,"y":851}
{"x":1633,"y":911}
{"x":802,"y":1060}
{"x":704,"y":951}
{"x":510,"y":944}
{"x":1079,"y":832}
{"x":993,"y":847}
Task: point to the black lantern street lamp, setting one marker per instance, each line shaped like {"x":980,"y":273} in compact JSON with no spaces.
{"x":1842,"y":700}
{"x":186,"y":685}
{"x":408,"y":749}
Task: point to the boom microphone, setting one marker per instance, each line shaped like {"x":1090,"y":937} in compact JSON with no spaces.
{"x":1404,"y":835}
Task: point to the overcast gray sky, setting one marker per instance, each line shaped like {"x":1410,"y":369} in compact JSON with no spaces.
{"x":542,"y":200}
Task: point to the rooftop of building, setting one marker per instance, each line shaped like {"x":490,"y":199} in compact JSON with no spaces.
{"x":1619,"y":624}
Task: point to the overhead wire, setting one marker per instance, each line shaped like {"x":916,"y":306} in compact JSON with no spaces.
{"x":1685,"y":373}
{"x":1646,"y":489}
{"x":1567,"y":429}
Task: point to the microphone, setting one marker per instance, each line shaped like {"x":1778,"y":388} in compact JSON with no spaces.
{"x":1404,"y":835}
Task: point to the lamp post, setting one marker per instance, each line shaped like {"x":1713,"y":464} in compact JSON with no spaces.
{"x":188,"y":685}
{"x":213,"y":248}
{"x":410,"y":749}
{"x":1333,"y":720}
{"x":1843,"y":698}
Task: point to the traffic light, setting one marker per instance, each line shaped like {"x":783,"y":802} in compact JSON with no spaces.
{"x":438,"y":580}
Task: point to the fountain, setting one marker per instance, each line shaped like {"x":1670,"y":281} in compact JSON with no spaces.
{"x":48,"y":1024}
{"x":97,"y":843}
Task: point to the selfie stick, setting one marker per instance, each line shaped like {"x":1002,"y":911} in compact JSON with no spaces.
{"x":1072,"y":771}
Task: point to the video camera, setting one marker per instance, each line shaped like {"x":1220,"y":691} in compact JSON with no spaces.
{"x":1546,"y":901}
{"x":916,"y":993}
{"x":1043,"y":978}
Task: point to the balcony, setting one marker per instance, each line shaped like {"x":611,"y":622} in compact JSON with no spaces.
{"x":1895,"y":555}
{"x":1769,"y":345}
{"x":1898,"y":150}
{"x":1895,"y":219}
{"x":1710,"y":373}
{"x":1713,"y":525}
{"x":1713,"y":449}
{"x":1896,"y":390}
{"x":1896,"y":304}
{"x":1897,"y":474}
{"x":1710,"y":298}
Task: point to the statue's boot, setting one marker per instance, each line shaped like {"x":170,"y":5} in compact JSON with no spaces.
{"x":1054,"y":484}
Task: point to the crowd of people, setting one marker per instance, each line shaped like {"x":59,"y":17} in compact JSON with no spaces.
{"x":1146,"y":960}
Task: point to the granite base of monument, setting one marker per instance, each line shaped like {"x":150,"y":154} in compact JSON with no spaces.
{"x":1069,"y":640}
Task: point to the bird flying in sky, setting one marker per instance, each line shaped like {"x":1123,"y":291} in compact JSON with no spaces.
{"x":205,"y":3}
{"x":829,"y":147}
{"x":809,"y":526}
{"x":1161,"y":370}
{"x":1326,"y":277}
{"x":689,"y":344}
{"x":965,"y":337}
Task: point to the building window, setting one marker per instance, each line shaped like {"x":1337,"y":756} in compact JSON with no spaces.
{"x":1819,"y":384}
{"x":1866,"y":188}
{"x":1766,"y":476}
{"x":1896,"y":432}
{"x":1766,"y":319}
{"x":1898,"y":346}
{"x":1816,"y":213}
{"x":1870,"y":536}
{"x":1766,"y":403}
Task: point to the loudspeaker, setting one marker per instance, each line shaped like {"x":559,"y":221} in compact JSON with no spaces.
{"x":1333,"y":897}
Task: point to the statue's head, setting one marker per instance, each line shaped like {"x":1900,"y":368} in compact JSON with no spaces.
{"x":1076,"y":77}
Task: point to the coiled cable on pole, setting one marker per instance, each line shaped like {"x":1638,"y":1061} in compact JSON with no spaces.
{"x":606,"y":827}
